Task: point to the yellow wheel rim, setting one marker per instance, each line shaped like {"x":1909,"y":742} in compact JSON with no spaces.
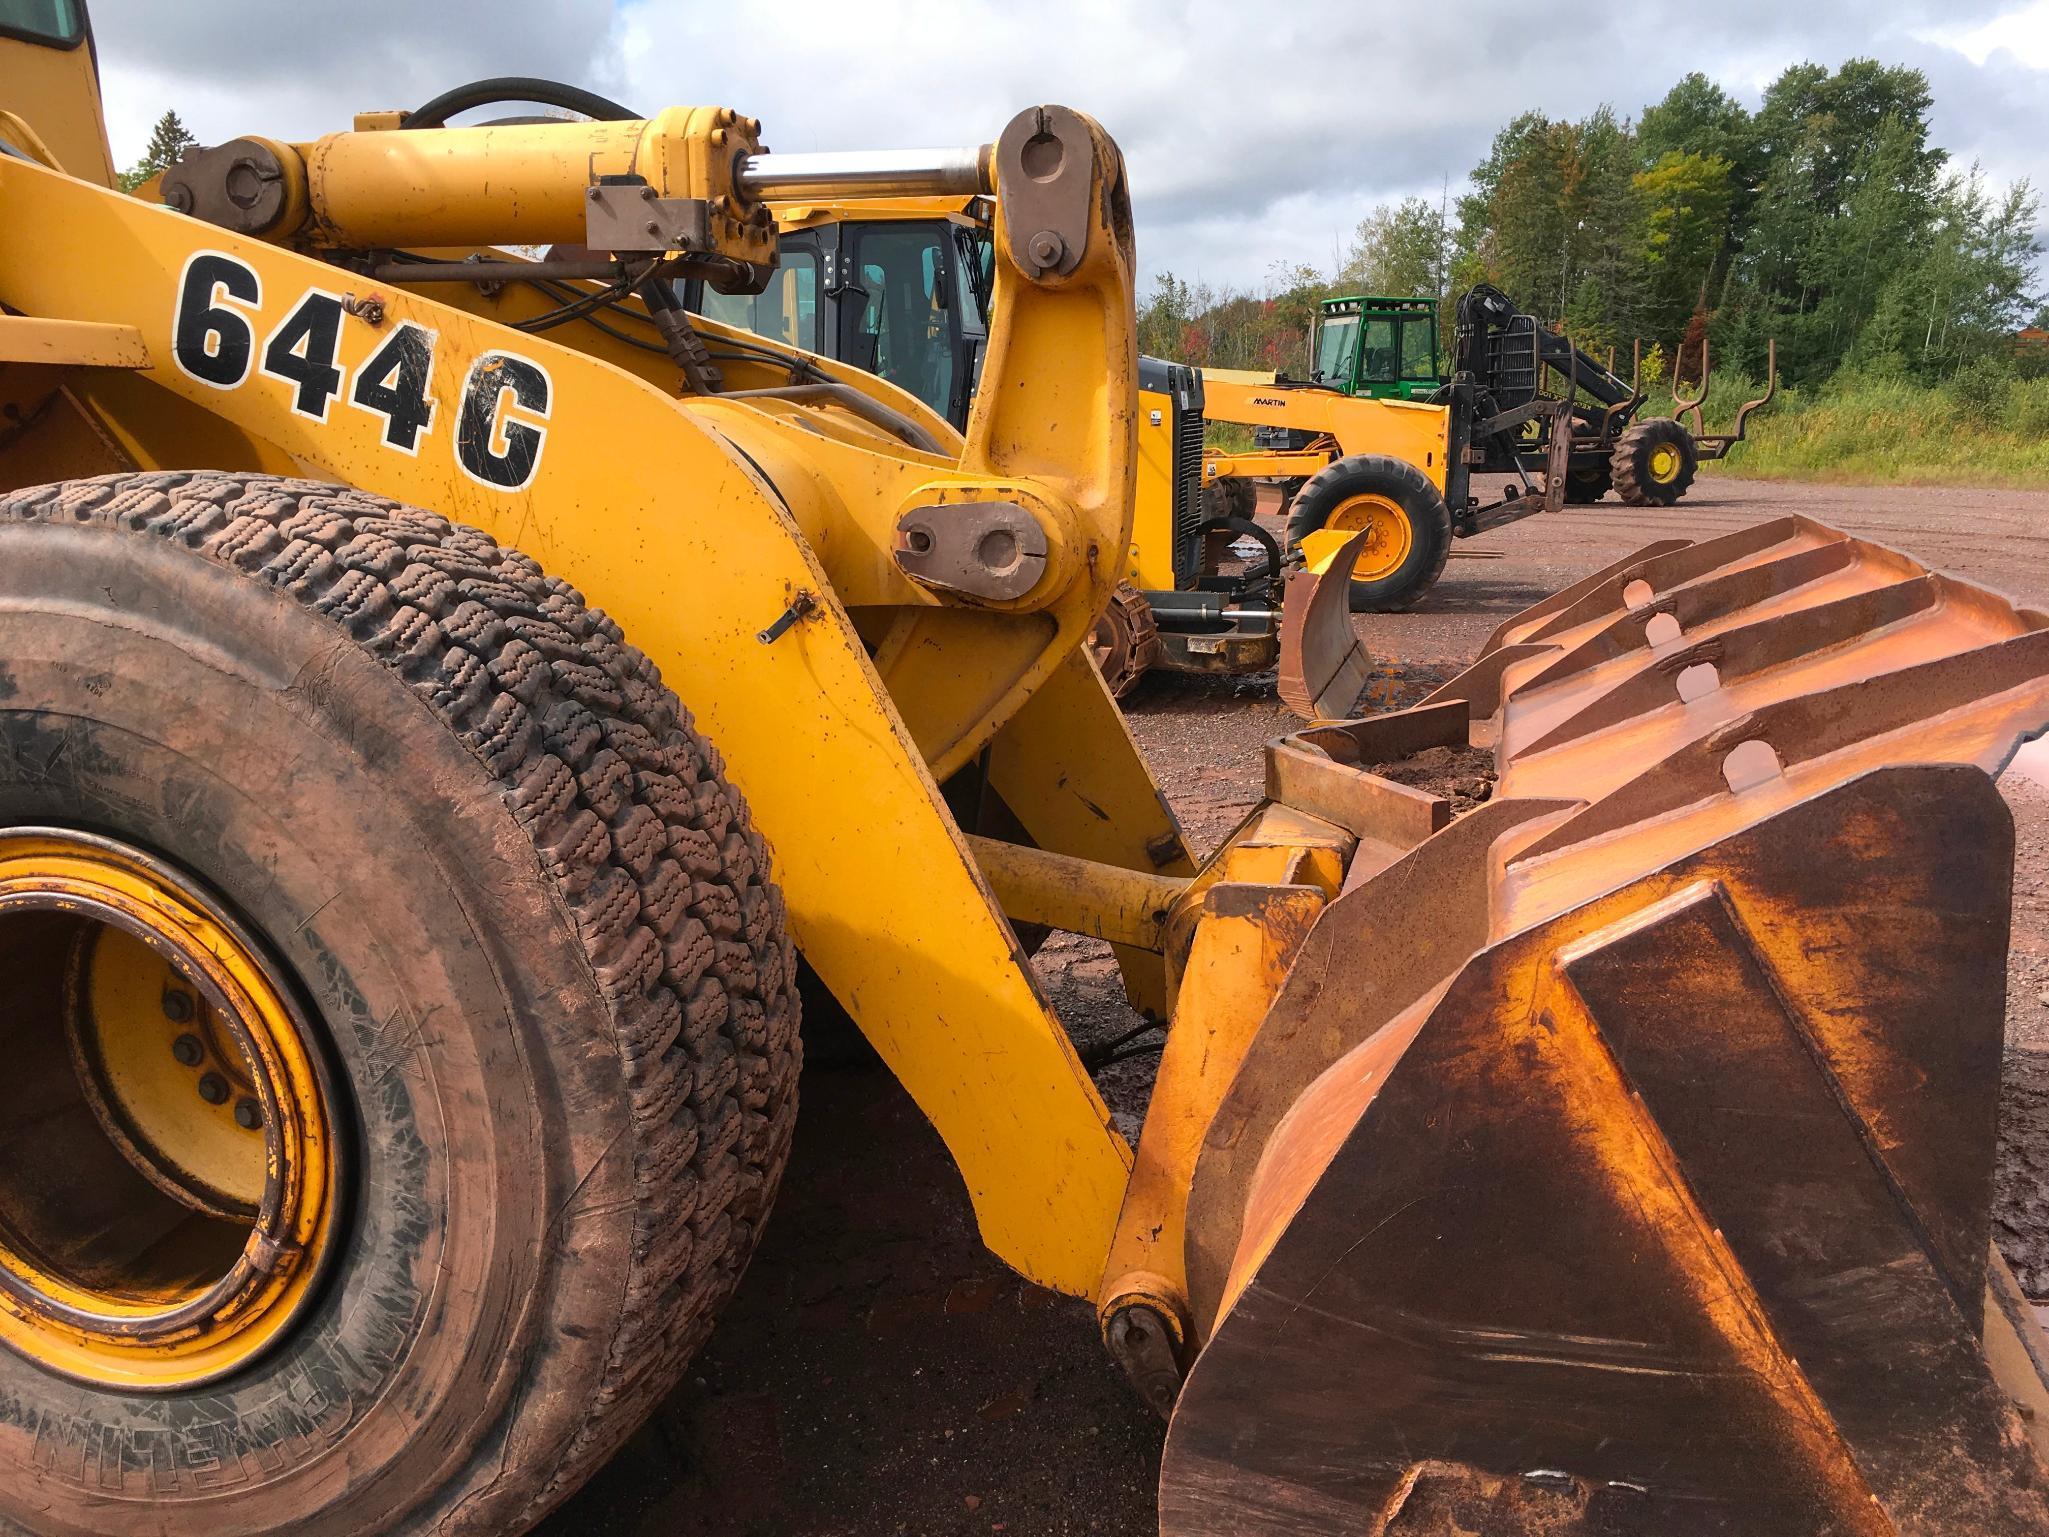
{"x":1664,"y":465}
{"x":175,"y":1221}
{"x":1389,"y":535}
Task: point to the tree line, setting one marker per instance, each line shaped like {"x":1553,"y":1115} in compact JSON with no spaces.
{"x":1825,"y":219}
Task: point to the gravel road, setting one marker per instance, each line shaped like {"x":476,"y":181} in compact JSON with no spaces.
{"x":880,"y":1374}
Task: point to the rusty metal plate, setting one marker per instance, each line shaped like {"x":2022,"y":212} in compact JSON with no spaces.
{"x":1619,"y":1158}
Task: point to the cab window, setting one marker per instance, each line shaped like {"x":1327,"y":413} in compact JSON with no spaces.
{"x":41,"y":21}
{"x":785,"y":311}
{"x":1334,"y":348}
{"x":906,"y":321}
{"x":1419,"y":352}
{"x":1381,"y":355}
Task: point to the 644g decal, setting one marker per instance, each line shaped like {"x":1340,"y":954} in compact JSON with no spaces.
{"x":500,"y":416}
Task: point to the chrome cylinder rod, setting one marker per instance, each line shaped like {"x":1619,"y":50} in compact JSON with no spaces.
{"x":881,"y":173}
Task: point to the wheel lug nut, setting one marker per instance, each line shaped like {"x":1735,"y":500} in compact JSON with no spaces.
{"x":177,"y":1006}
{"x":213,"y":1088}
{"x":188,"y":1050}
{"x":248,"y":1114}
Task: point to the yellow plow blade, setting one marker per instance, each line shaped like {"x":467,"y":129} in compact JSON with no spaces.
{"x":1323,"y":666}
{"x":1617,"y":1157}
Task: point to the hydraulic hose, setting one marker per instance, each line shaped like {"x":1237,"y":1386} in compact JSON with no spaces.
{"x":504,"y":88}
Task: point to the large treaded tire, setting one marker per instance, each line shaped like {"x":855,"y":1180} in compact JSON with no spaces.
{"x":1630,"y":465}
{"x":1125,"y":640}
{"x":1410,"y":489}
{"x":1231,"y":497}
{"x":535,"y":928}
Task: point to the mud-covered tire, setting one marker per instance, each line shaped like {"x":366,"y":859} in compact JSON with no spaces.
{"x":1125,"y":640}
{"x":535,"y":934}
{"x":1653,"y":463}
{"x":1231,"y":497}
{"x":1402,"y":487}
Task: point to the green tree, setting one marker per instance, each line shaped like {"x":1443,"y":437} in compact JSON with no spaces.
{"x":1400,"y":249}
{"x":1476,"y":205}
{"x":167,"y":141}
{"x":1685,"y":201}
{"x":1522,"y":230}
{"x":1961,"y":297}
{"x":1554,"y":220}
{"x":1608,"y":248}
{"x":1888,"y":210}
{"x":1696,"y":117}
{"x":1832,"y":120}
{"x":1164,"y":318}
{"x":1834,"y":224}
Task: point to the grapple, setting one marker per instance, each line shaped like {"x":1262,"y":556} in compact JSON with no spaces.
{"x":1617,"y":1156}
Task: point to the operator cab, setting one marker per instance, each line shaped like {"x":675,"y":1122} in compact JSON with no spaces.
{"x":1384,"y":348}
{"x":907,"y":299}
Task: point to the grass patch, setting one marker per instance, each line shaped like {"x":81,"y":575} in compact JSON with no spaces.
{"x":1987,"y":429}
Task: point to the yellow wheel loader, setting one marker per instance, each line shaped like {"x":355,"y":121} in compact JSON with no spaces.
{"x":1364,"y":464}
{"x":900,"y":286}
{"x":442,"y":694}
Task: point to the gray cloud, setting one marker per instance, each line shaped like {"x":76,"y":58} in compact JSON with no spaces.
{"x":1255,"y":136}
{"x":253,"y":66}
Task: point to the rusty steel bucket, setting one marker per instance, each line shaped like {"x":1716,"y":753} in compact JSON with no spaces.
{"x":1617,"y":1157}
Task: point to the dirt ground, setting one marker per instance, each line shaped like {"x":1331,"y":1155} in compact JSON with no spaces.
{"x":881,"y":1374}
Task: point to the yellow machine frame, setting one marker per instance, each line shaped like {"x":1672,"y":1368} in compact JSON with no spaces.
{"x":896,"y":685}
{"x":1414,"y":431}
{"x":1151,"y":559}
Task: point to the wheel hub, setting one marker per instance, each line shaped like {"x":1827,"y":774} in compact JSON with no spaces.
{"x":1389,"y":538}
{"x":1664,"y":465}
{"x":167,"y":1157}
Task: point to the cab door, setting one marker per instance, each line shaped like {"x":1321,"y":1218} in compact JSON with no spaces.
{"x":904,"y":307}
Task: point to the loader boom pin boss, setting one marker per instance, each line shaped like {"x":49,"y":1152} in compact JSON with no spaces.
{"x":437,"y":715}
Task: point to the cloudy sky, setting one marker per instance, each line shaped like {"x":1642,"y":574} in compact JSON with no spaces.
{"x":1256,"y":134}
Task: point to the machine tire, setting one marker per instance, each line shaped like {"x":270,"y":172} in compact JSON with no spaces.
{"x":1636,"y":463}
{"x":1583,"y":488}
{"x":1231,"y":497}
{"x":1400,"y":486}
{"x":531,"y":929}
{"x":1125,"y":640}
